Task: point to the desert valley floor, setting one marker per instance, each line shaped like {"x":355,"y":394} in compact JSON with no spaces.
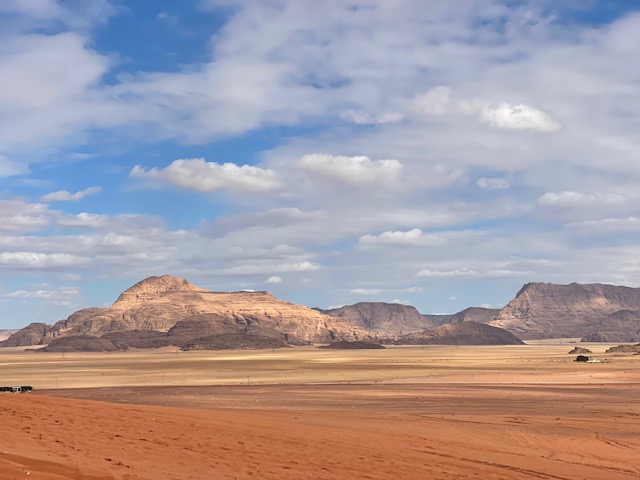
{"x":436,"y":412}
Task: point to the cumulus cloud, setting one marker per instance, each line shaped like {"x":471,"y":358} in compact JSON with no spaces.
{"x":443,"y":100}
{"x":350,"y":171}
{"x":568,"y":199}
{"x":435,"y":101}
{"x":84,"y":220}
{"x":460,"y":272}
{"x":365,"y":291}
{"x":287,"y":267}
{"x":18,"y":216}
{"x":518,"y":117}
{"x":362,"y":117}
{"x":197,"y":174}
{"x":414,"y":237}
{"x":64,"y":196}
{"x":493,"y":183}
{"x":273,"y":280}
{"x":62,"y":296}
{"x":44,"y":261}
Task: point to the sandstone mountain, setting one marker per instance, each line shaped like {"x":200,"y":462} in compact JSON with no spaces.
{"x":165,"y":303}
{"x":461,"y":333}
{"x":387,"y":319}
{"x":474,"y":314}
{"x":32,"y":334}
{"x":596,"y":312}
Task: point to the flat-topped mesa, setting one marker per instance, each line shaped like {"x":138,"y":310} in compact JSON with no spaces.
{"x":546,"y":310}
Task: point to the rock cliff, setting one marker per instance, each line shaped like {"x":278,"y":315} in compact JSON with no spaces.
{"x":592,"y":311}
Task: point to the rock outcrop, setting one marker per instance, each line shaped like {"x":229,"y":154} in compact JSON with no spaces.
{"x":82,"y":343}
{"x":461,"y":333}
{"x":624,"y":349}
{"x":386,"y":319}
{"x":234,"y":341}
{"x":593,"y":311}
{"x":579,"y":350}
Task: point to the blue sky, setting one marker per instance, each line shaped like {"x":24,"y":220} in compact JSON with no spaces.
{"x":439,"y":154}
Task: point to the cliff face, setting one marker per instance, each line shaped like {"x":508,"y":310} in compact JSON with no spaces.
{"x":388,"y":319}
{"x":159,"y":303}
{"x":544,"y":310}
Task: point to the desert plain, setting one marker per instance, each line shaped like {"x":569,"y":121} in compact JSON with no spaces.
{"x":433,"y":412}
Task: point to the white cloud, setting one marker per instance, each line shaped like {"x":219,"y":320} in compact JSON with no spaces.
{"x":45,"y":261}
{"x":304,"y":266}
{"x":362,"y":117}
{"x":435,"y":101}
{"x":518,"y":117}
{"x":196,"y":174}
{"x":64,"y":196}
{"x":459,"y":272}
{"x":414,"y":237}
{"x":414,"y":290}
{"x":84,"y":220}
{"x":351,"y":171}
{"x":18,"y":216}
{"x":493,"y":183}
{"x":570,"y":199}
{"x":62,"y":296}
{"x":273,"y":280}
{"x":365,"y":291}
{"x":401,"y":302}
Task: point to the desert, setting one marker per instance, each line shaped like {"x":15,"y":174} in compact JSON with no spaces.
{"x":491,"y":412}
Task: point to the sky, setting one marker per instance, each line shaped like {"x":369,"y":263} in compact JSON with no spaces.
{"x":433,"y":153}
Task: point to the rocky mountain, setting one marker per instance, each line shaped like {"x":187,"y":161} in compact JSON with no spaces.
{"x":474,"y":314}
{"x":162,"y":303}
{"x":461,"y":333}
{"x":386,"y":319}
{"x":595,"y":312}
{"x":32,"y":334}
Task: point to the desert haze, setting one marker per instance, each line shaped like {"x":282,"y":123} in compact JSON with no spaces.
{"x":414,"y":412}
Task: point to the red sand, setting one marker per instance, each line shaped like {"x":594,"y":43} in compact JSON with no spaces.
{"x":325,"y":432}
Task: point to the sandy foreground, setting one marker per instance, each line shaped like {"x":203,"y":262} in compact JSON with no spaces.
{"x":412,"y":413}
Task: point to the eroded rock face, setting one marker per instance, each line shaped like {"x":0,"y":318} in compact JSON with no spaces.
{"x":461,"y":333}
{"x":32,"y":334}
{"x":388,"y":319}
{"x":592,"y":311}
{"x":159,"y":303}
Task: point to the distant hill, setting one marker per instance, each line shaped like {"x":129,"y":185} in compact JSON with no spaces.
{"x":474,"y":314}
{"x":387,"y":319}
{"x":461,"y":333}
{"x":4,"y":334}
{"x":595,"y":312}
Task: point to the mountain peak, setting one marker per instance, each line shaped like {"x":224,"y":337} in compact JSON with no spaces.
{"x":153,"y":287}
